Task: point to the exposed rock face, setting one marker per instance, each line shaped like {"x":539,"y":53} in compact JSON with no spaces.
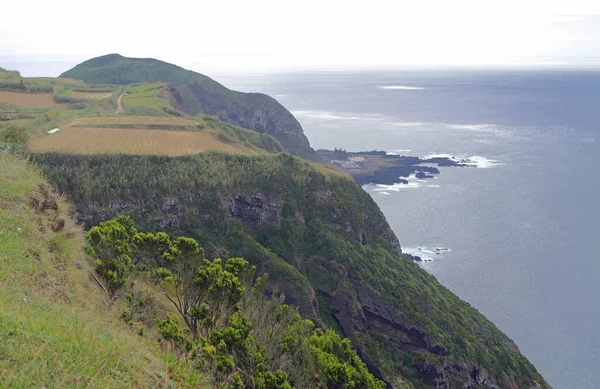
{"x":253,"y":210}
{"x":375,"y":314}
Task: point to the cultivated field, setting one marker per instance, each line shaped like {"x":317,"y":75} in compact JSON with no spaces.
{"x":27,"y":100}
{"x":91,"y":140}
{"x":116,"y":121}
{"x":91,"y":95}
{"x":146,"y":96}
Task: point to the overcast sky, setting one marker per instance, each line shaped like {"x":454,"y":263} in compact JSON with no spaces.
{"x":222,"y":35}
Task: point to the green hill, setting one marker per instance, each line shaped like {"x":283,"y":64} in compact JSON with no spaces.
{"x":194,"y":93}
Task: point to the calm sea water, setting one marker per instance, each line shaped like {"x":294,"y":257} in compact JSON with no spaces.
{"x":522,"y":228}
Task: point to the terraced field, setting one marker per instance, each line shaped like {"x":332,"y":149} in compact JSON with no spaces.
{"x":145,"y":96}
{"x":125,"y":121}
{"x":27,"y":100}
{"x":90,"y":140}
{"x":91,"y":95}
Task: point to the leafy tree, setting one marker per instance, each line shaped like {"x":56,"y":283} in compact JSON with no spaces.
{"x":170,"y":331}
{"x":339,"y":363}
{"x":110,"y":245}
{"x":148,"y":249}
{"x":203,"y":292}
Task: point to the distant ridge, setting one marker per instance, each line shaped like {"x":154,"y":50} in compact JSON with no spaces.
{"x":195,"y":93}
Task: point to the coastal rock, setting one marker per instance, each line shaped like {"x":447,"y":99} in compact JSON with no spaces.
{"x":415,"y":258}
{"x":423,"y":175}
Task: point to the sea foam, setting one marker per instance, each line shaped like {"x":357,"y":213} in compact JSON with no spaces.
{"x":398,"y":152}
{"x":427,"y":253}
{"x":413,"y":183}
{"x":475,"y":161}
{"x":401,"y":87}
{"x":326,"y":115}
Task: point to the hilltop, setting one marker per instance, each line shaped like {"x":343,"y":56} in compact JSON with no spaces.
{"x":193,"y":93}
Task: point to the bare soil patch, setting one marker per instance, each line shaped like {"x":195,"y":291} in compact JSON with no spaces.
{"x":116,"y":121}
{"x":91,"y":95}
{"x":27,"y":100}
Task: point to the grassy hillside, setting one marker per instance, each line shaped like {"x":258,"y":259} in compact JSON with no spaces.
{"x":57,"y":330}
{"x":193,"y":93}
{"x":326,"y":245}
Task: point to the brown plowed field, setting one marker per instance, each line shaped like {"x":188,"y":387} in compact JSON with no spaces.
{"x":116,"y":121}
{"x":91,"y":95}
{"x":27,"y":100}
{"x":91,"y":140}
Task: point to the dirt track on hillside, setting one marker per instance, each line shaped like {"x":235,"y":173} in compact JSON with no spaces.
{"x":119,"y":104}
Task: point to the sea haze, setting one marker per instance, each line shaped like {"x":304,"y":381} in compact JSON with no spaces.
{"x":516,"y":236}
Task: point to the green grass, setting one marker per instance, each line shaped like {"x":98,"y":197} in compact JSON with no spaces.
{"x":57,"y":329}
{"x":145,"y":95}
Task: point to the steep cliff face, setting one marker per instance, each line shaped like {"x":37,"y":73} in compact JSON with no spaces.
{"x":195,"y":93}
{"x":325,"y":244}
{"x":249,"y":110}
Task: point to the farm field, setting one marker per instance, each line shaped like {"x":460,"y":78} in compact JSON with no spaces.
{"x":117,"y":121}
{"x":146,"y":96}
{"x":91,"y":95}
{"x":91,"y":140}
{"x":27,"y":100}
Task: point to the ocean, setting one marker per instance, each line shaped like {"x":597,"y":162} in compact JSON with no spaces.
{"x":517,"y":234}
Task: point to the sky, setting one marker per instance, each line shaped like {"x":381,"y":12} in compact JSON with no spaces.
{"x":265,"y":35}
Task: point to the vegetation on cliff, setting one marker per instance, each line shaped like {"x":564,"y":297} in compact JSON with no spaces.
{"x":325,"y":244}
{"x":230,"y":331}
{"x":58,"y":327}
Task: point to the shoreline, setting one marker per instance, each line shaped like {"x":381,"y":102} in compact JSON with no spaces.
{"x":380,"y":167}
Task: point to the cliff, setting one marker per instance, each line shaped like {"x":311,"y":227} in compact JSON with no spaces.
{"x":194,"y":93}
{"x":325,"y":244}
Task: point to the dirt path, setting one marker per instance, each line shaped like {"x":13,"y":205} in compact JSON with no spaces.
{"x":120,"y":104}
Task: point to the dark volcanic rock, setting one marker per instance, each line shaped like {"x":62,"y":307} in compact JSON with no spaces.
{"x":252,"y":210}
{"x":415,"y":258}
{"x":423,"y":175}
